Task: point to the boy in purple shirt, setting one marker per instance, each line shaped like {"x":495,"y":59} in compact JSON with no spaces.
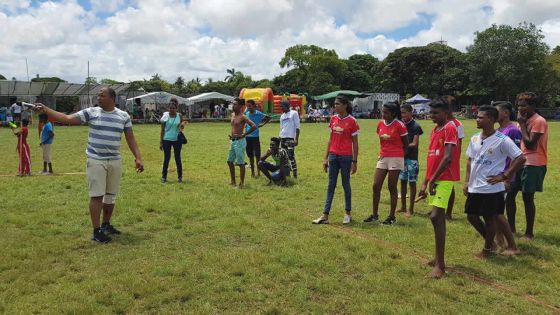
{"x":508,"y":128}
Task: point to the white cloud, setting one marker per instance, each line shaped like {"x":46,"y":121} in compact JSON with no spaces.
{"x":203,"y":38}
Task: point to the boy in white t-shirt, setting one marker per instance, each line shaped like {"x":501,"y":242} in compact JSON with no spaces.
{"x":487,"y":154}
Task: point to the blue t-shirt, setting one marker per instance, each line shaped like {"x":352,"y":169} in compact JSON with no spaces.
{"x":45,"y":133}
{"x":257,"y":117}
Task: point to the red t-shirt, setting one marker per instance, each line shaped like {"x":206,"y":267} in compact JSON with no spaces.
{"x":342,"y":131}
{"x":436,"y":150}
{"x":390,"y":138}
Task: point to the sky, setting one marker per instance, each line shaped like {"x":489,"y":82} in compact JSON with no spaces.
{"x":133,"y":39}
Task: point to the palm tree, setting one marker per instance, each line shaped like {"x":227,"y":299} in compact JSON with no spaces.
{"x":231,"y":74}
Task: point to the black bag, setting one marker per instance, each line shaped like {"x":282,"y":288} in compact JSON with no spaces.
{"x":181,"y":137}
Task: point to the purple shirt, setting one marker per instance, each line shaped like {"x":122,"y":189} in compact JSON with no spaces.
{"x":513,"y":132}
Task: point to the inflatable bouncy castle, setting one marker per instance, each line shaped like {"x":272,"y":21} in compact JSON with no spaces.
{"x":270,"y":104}
{"x":297,"y":102}
{"x":261,"y":96}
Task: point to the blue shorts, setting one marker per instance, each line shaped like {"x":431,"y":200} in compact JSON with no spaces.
{"x":410,"y":172}
{"x":237,"y":151}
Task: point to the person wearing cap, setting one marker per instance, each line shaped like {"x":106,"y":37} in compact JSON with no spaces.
{"x":289,"y":132}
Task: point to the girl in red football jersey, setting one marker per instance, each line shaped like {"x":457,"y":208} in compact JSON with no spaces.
{"x":393,"y":143}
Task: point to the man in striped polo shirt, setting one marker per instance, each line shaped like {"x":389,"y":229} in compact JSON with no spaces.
{"x":104,"y":168}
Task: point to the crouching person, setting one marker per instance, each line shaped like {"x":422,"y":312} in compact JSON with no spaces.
{"x":280,"y":170}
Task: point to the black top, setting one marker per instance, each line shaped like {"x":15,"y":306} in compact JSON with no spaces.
{"x":413,"y":129}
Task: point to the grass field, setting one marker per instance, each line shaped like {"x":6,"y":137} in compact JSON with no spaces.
{"x":204,"y":247}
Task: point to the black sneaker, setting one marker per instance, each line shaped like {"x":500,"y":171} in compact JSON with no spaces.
{"x":389,"y":221}
{"x":180,"y":180}
{"x":371,"y":218}
{"x":100,"y":237}
{"x":109,"y":229}
{"x":163,"y":180}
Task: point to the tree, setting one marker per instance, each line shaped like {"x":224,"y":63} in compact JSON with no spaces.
{"x":231,"y":74}
{"x":506,"y":60}
{"x":313,"y":64}
{"x":110,"y":81}
{"x":193,"y":86}
{"x":47,"y":79}
{"x":361,"y":73}
{"x":434,"y":70}
{"x":91,"y":81}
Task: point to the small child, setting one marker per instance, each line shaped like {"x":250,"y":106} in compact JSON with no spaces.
{"x":23,"y":150}
{"x":47,"y":136}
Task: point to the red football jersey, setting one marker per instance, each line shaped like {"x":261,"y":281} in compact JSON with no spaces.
{"x":390,"y":138}
{"x":438,"y":139}
{"x":342,"y":131}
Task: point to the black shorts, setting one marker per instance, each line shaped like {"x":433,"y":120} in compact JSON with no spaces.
{"x":485,"y":205}
{"x":253,"y":147}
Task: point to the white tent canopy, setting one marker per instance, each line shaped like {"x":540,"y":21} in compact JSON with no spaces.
{"x":210,"y":96}
{"x":152,"y":100}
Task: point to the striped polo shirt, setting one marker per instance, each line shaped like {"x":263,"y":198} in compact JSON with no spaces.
{"x":105,"y":131}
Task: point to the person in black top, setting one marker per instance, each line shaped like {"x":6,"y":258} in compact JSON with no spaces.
{"x":410,"y":173}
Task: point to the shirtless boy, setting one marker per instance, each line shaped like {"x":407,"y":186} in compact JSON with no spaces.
{"x":238,"y":143}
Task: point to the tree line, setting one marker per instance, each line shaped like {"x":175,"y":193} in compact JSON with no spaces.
{"x":502,"y":61}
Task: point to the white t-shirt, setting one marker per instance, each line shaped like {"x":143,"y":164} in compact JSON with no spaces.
{"x":488,"y":158}
{"x":16,"y":108}
{"x":289,"y":122}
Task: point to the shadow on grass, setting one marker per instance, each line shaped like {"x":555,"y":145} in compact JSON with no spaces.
{"x":550,"y":239}
{"x":131,"y":238}
{"x":470,"y":271}
{"x":530,"y":249}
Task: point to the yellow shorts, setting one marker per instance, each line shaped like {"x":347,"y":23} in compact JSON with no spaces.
{"x":104,"y":178}
{"x":443,"y":193}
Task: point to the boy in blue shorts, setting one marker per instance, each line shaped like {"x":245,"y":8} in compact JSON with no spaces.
{"x":410,"y":173}
{"x":237,"y":145}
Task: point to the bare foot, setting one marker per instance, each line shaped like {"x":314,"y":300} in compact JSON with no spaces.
{"x":240,"y":186}
{"x":269,"y":183}
{"x":511,"y":252}
{"x":431,"y":263}
{"x":485,"y":253}
{"x":233,"y":184}
{"x":409,"y":214}
{"x":526,"y":238}
{"x":500,"y":241}
{"x":401,"y":210}
{"x":436,"y":273}
{"x":448,"y":217}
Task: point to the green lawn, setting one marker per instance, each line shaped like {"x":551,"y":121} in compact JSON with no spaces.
{"x":205,"y":247}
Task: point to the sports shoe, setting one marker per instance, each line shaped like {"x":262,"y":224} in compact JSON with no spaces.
{"x":389,"y":221}
{"x":320,"y":220}
{"x":371,"y":218}
{"x":109,"y":229}
{"x":347,"y":219}
{"x":100,"y":237}
{"x":180,"y":180}
{"x":164,"y":180}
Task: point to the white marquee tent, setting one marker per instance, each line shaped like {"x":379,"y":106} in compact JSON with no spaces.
{"x":155,"y":100}
{"x":210,"y":96}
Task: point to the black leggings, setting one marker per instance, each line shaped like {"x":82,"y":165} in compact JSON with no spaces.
{"x":167,"y":156}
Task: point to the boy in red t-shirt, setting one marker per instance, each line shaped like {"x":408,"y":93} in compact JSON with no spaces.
{"x":441,"y":173}
{"x":393,"y":143}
